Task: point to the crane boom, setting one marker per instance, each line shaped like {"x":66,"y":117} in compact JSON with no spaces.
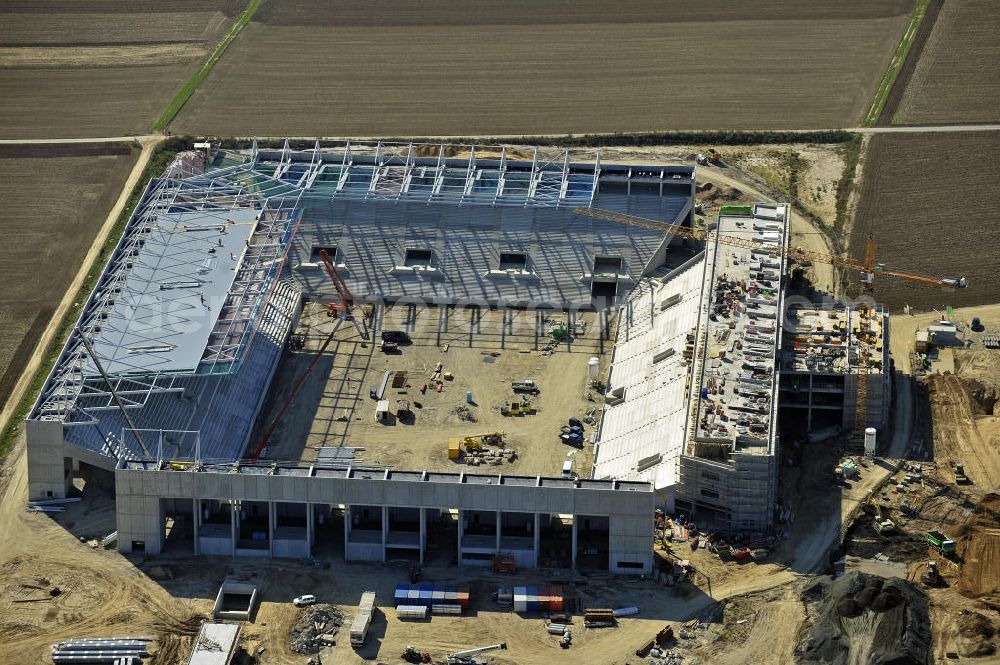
{"x":466,"y":656}
{"x":869,"y":268}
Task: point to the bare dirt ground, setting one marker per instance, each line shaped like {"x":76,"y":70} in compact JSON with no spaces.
{"x":753,"y":176}
{"x":954,"y":79}
{"x":363,"y":69}
{"x":483,"y":357}
{"x":100,"y":592}
{"x":928,"y":201}
{"x":61,"y":195}
{"x":99,"y":69}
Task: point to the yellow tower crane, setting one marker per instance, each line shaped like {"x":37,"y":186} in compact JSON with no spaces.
{"x":869,"y":269}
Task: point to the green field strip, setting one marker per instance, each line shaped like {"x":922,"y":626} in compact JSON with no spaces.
{"x":896,"y":63}
{"x":196,"y":79}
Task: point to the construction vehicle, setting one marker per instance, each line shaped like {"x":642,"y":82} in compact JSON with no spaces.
{"x":940,"y":542}
{"x":527,"y":386}
{"x":468,"y":657}
{"x":518,"y":409}
{"x":960,"y":477}
{"x":411,"y":655}
{"x":472,"y":443}
{"x":883,"y":525}
{"x":388,"y":347}
{"x":868,"y":268}
{"x":932,"y":577}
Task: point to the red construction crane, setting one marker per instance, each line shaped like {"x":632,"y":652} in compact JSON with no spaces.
{"x":341,"y":310}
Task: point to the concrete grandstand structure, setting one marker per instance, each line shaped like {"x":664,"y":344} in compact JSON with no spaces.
{"x":165,"y":373}
{"x":692,"y":394}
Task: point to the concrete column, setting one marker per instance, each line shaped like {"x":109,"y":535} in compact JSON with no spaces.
{"x":309,"y":528}
{"x":461,"y":528}
{"x":423,"y":533}
{"x":538,"y":538}
{"x":573,"y":551}
{"x":234,"y":528}
{"x":499,"y":520}
{"x":196,"y":522}
{"x":347,"y":532}
{"x":272,"y":520}
{"x":385,"y":533}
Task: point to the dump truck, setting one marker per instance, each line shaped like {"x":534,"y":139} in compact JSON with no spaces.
{"x":363,"y":619}
{"x":940,"y":542}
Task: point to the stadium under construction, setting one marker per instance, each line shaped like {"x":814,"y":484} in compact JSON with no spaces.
{"x":236,"y":365}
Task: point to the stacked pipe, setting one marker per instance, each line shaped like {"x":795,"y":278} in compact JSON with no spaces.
{"x":102,"y":650}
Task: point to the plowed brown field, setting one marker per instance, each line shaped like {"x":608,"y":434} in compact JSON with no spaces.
{"x":55,"y":200}
{"x":956,"y":78}
{"x":104,"y":68}
{"x":930,"y":199}
{"x":454,"y":67}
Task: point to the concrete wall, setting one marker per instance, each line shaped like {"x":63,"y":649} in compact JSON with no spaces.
{"x":746,"y":488}
{"x":629,"y":508}
{"x":47,"y":473}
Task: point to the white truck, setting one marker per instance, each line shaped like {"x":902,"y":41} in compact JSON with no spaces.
{"x":363,"y":619}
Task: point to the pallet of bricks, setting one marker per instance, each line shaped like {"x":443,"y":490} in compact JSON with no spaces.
{"x":599,"y":618}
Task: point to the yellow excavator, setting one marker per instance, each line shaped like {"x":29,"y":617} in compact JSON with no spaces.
{"x":472,"y":442}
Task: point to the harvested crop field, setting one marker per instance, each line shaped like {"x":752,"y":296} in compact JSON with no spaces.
{"x":956,"y":78}
{"x":931,"y":201}
{"x":55,"y":199}
{"x":103,"y":68}
{"x":447,"y":67}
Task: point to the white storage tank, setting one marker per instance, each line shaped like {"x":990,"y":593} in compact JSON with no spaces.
{"x":593,"y":368}
{"x":870,"y":441}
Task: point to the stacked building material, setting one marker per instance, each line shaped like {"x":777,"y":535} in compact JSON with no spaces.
{"x":538,"y":599}
{"x":431,"y":595}
{"x":599,"y":618}
{"x":100,"y":650}
{"x":411,"y":612}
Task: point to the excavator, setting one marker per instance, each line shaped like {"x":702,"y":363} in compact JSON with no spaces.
{"x":869,"y":269}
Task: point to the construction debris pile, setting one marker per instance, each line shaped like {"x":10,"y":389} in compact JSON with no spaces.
{"x":111,"y":650}
{"x":316,"y":628}
{"x":865,"y":619}
{"x":975,"y":635}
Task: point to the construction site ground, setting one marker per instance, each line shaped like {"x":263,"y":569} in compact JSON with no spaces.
{"x":480,"y":354}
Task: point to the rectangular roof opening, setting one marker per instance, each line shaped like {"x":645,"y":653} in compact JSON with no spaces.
{"x":417,"y":258}
{"x":330,"y":249}
{"x":607,"y":265}
{"x":513,"y":261}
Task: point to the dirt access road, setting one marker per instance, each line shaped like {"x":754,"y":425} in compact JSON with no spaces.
{"x":804,"y":234}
